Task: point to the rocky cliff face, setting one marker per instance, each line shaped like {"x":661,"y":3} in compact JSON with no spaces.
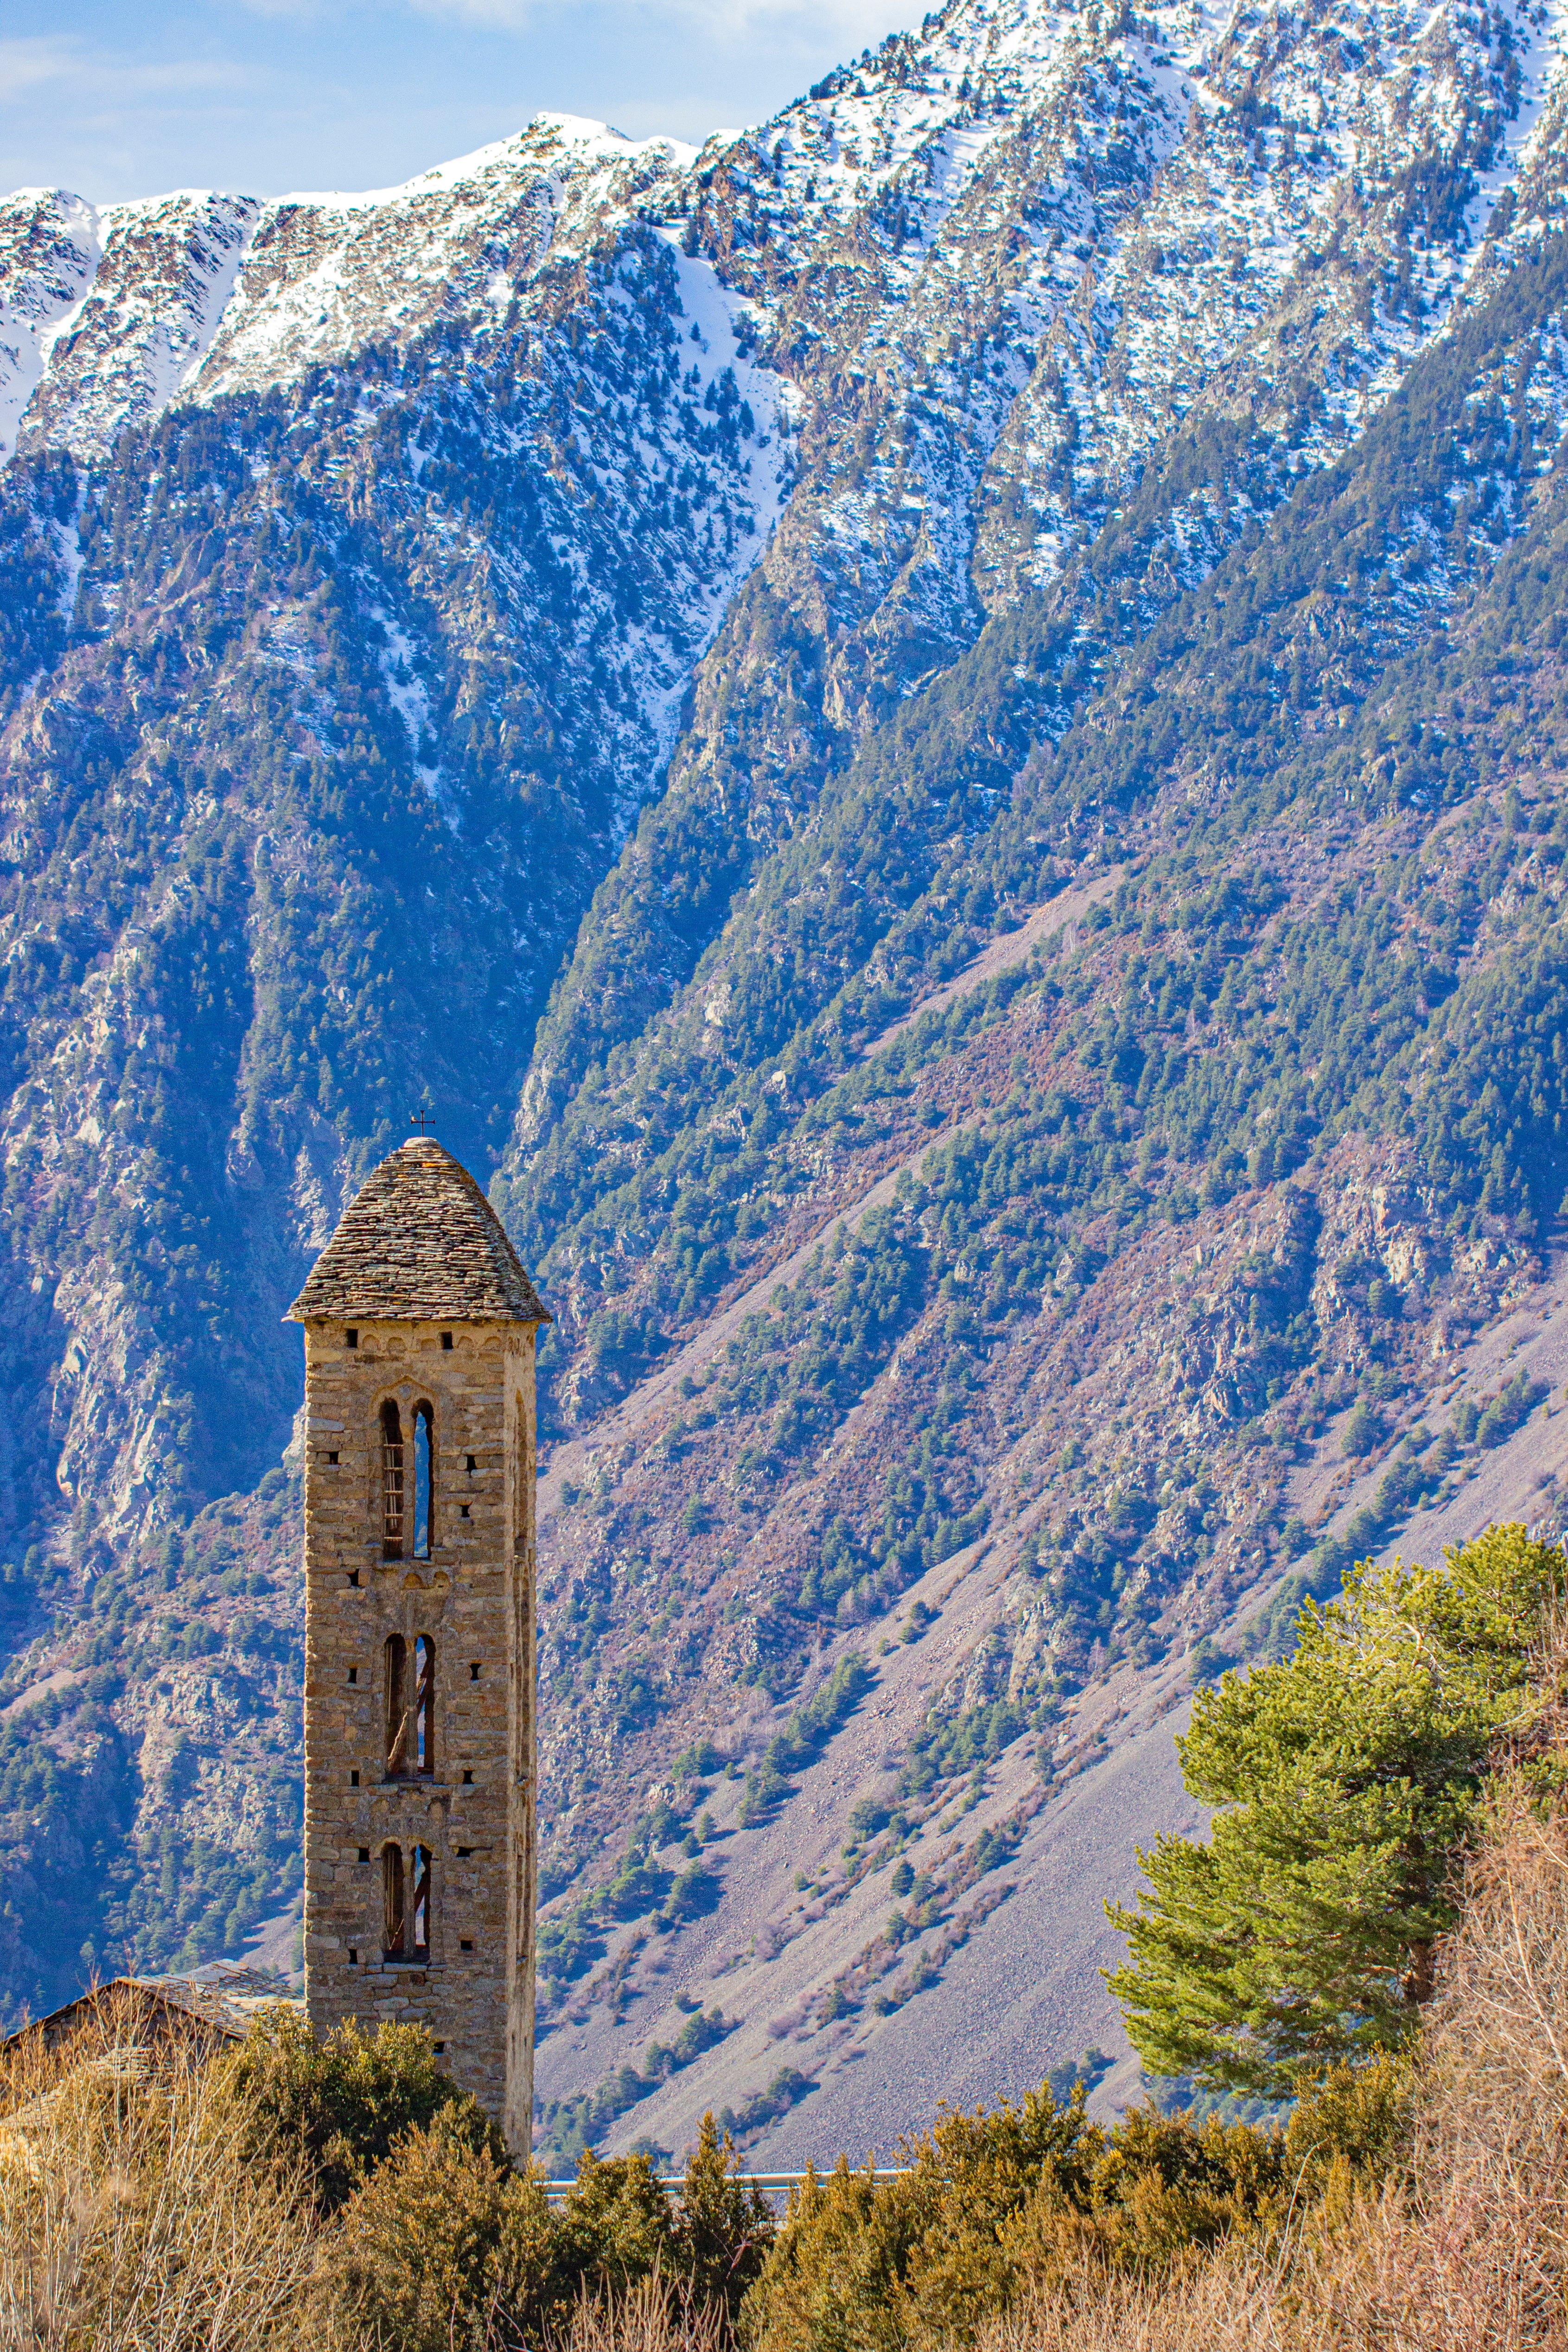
{"x":448,"y":623}
{"x":938,"y":728}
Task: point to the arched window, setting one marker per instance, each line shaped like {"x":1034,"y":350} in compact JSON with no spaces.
{"x":393,"y":1930}
{"x":424,"y":1482}
{"x":397,"y":1725}
{"x":421,"y":1905}
{"x":422,"y":1755}
{"x":391,"y":1481}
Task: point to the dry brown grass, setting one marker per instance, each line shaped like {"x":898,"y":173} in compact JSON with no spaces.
{"x":128,"y":2216}
{"x":1484,"y":2236}
{"x":1221,"y":2305}
{"x":652,"y":2317}
{"x":1471,"y":2253}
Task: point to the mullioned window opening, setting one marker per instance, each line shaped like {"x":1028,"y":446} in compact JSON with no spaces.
{"x":395,"y":1926}
{"x":410,"y":1716}
{"x":391,"y":1481}
{"x":420,"y":1915}
{"x":424,"y":1482}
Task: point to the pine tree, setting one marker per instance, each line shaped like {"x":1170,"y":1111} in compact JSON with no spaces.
{"x":1347,"y":1778}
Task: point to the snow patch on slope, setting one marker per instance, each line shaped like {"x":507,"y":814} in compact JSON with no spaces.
{"x":107,"y":312}
{"x":50,"y":245}
{"x":110,"y":315}
{"x":713,"y":349}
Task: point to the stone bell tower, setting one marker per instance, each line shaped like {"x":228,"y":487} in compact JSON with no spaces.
{"x":420,"y":1776}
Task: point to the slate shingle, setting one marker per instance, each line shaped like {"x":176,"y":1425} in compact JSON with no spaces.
{"x":420,"y":1242}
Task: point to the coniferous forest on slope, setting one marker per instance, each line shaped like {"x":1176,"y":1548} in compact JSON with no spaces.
{"x":950,"y":778}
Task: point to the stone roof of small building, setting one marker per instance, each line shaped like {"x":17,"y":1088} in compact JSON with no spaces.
{"x":221,"y":2001}
{"x":420,"y":1242}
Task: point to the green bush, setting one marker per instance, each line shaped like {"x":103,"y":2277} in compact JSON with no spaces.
{"x":441,"y":2244}
{"x":615,"y":2224}
{"x":1026,"y":2199}
{"x":996,"y":2204}
{"x":438,"y":2240}
{"x":1349,"y":2126}
{"x":346,"y":2102}
{"x":1362,"y":1431}
{"x":722,"y":2230}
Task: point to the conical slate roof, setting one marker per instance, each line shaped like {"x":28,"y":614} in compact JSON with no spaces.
{"x":418,"y":1242}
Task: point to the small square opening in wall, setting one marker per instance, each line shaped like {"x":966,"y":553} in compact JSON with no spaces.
{"x":439,"y":2048}
{"x":464,"y":1852}
{"x":473,"y":1671}
{"x":365,"y":1854}
{"x":354,"y":1673}
{"x":354,"y":1957}
{"x":446,"y":1340}
{"x":353,"y":1577}
{"x":467,"y":1780}
{"x":463,"y":1509}
{"x":332,"y":1461}
{"x":466,"y":1944}
{"x":473,"y":1461}
{"x":354,"y":1780}
{"x":350,"y":1338}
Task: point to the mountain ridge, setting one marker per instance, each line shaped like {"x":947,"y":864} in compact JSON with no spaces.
{"x":941,"y":741}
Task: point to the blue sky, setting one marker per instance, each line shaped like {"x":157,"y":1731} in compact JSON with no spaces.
{"x":128,"y":101}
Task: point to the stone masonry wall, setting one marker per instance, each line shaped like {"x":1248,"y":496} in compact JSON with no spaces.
{"x":474,"y":1600}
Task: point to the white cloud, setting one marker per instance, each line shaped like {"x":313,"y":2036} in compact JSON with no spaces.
{"x":32,"y":65}
{"x":41,"y":64}
{"x":109,"y":126}
{"x":272,"y":95}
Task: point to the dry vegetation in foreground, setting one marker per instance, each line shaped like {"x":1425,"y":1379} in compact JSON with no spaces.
{"x":341,"y":2194}
{"x":136,"y":2212}
{"x":130,"y":2214}
{"x":1464,"y":2247}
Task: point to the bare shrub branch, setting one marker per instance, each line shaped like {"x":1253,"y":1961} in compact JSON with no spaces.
{"x":656,"y":2315}
{"x":127,"y":2215}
